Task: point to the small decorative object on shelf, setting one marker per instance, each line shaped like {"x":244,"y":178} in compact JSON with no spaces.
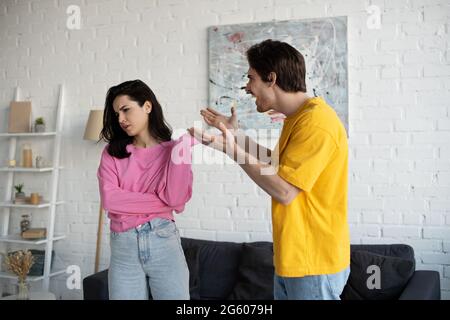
{"x":39,"y":125}
{"x":34,"y":198}
{"x":20,"y":197}
{"x":42,"y":163}
{"x":39,"y":162}
{"x":25,"y":223}
{"x":12,"y":163}
{"x":23,"y":290}
{"x":27,"y":156}
{"x":20,"y":263}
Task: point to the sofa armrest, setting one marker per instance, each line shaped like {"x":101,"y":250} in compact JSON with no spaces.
{"x":423,"y":285}
{"x":95,"y":286}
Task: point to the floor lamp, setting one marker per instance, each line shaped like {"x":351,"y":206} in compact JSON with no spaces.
{"x":92,"y":131}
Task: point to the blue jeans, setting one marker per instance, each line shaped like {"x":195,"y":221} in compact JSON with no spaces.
{"x":154,"y":250}
{"x":320,"y":287}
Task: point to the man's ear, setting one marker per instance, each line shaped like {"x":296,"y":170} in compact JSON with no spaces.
{"x":272,"y":79}
{"x":148,"y":106}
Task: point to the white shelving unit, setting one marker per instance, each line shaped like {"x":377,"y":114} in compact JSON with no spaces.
{"x":7,"y":206}
{"x":28,"y":134}
{"x":7,"y":275}
{"x":7,"y":169}
{"x":17,"y":238}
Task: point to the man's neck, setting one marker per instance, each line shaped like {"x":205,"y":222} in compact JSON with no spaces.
{"x":290,"y":102}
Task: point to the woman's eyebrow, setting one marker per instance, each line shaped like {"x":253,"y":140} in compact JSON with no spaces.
{"x":120,"y":108}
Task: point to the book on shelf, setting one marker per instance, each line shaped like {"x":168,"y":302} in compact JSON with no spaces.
{"x":34,"y":233}
{"x":19,"y":117}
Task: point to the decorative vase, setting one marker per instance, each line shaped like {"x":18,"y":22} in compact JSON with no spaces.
{"x":27,"y":156}
{"x":23,"y":288}
{"x":20,"y":198}
{"x":39,"y":162}
{"x":39,"y":127}
{"x":25,"y":223}
{"x":34,"y":198}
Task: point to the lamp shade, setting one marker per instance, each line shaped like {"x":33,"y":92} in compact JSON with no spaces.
{"x":94,"y":125}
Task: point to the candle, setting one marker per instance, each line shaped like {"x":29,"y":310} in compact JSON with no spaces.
{"x":34,"y":198}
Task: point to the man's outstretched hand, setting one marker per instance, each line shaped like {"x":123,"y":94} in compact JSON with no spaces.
{"x":224,"y":142}
{"x":214,"y":118}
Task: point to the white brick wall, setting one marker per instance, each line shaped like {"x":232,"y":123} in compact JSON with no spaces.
{"x":399,"y":111}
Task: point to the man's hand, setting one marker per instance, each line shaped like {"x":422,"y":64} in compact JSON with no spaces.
{"x":273,"y":184}
{"x":225,"y":142}
{"x":275,"y":116}
{"x":214,"y":118}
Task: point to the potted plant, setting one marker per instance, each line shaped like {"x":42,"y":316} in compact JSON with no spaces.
{"x":20,"y":195}
{"x":39,"y":125}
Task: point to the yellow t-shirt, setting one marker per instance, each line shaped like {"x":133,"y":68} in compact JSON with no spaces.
{"x":311,"y":234}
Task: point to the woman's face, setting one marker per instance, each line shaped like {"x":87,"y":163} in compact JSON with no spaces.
{"x":132,"y":118}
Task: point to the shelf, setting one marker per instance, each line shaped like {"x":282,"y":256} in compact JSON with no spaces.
{"x":16,"y":238}
{"x":20,"y":169}
{"x":28,"y":206}
{"x":9,"y":275}
{"x":49,"y":203}
{"x":28,"y":134}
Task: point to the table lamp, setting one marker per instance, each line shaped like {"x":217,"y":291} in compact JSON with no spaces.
{"x":92,"y":131}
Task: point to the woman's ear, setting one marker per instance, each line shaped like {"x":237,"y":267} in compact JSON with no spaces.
{"x":148,"y":107}
{"x":272,"y":79}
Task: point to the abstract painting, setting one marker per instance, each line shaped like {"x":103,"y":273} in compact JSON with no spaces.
{"x":322,"y":42}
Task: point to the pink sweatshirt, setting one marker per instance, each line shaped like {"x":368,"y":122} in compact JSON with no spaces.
{"x":150,"y":183}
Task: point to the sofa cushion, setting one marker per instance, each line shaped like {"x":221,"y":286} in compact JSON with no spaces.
{"x":393,"y":250}
{"x":218,"y":266}
{"x":255,"y":274}
{"x":193,"y":262}
{"x":394,"y":274}
{"x":95,"y":286}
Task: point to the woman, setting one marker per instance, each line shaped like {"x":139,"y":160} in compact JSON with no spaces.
{"x":140,"y":186}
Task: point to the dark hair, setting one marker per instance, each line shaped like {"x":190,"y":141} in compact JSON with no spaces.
{"x":112,"y":133}
{"x":281,"y":58}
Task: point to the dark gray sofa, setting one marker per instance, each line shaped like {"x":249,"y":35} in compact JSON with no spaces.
{"x":244,"y":271}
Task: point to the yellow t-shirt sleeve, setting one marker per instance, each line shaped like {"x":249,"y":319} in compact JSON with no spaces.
{"x":307,"y":153}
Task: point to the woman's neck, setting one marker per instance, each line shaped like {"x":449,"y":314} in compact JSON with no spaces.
{"x":144,"y":140}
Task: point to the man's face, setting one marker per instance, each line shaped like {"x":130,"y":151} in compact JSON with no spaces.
{"x":260,"y":90}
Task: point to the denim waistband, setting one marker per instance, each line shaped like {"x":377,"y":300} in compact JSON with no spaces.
{"x":141,"y":226}
{"x":150,"y":224}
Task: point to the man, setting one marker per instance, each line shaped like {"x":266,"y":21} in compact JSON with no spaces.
{"x":309,"y":190}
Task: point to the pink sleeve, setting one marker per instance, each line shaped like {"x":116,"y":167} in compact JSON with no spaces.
{"x":115,"y":199}
{"x":175,"y":189}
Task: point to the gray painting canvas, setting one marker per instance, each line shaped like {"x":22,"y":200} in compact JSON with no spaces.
{"x":323,"y":43}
